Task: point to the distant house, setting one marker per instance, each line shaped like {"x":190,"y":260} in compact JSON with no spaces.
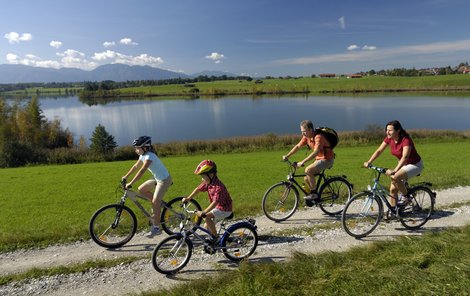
{"x":466,"y":70}
{"x":355,"y":76}
{"x":327,"y":75}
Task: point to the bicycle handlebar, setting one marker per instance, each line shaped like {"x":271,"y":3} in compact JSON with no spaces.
{"x":378,"y":169}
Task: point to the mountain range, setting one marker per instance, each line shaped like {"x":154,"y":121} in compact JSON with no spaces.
{"x":115,"y":72}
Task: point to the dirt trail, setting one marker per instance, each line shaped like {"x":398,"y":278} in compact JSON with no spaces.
{"x":140,"y":275}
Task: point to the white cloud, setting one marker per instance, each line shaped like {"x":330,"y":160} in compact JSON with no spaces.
{"x":31,"y":60}
{"x":216,"y":57}
{"x":74,"y":59}
{"x":353,"y":47}
{"x":109,"y":44}
{"x":128,"y":41}
{"x":382,"y":54}
{"x":342,"y":22}
{"x":12,"y":58}
{"x":367,"y":47}
{"x":116,"y":57}
{"x":55,"y":44}
{"x":14,"y":37}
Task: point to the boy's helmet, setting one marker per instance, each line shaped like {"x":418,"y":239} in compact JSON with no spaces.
{"x":143,"y":141}
{"x":206,"y":167}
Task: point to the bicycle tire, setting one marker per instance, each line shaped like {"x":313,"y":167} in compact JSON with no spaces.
{"x":172,"y":214}
{"x":113,"y":226}
{"x":172,"y":254}
{"x":419,"y":210}
{"x":334,"y":194}
{"x":361,"y":214}
{"x":280,"y":201}
{"x":239,"y":242}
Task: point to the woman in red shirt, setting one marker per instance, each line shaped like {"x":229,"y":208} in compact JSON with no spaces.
{"x":409,"y":162}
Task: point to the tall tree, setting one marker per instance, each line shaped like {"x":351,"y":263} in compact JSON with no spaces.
{"x":101,"y":141}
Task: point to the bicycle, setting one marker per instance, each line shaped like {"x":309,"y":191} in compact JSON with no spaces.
{"x":114,"y":225}
{"x":237,"y":242}
{"x":364,"y":211}
{"x":281,"y":200}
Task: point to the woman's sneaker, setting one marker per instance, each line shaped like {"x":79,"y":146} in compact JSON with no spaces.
{"x":154,"y":230}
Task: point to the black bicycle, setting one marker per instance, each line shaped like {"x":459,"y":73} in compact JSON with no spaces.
{"x":282,"y":199}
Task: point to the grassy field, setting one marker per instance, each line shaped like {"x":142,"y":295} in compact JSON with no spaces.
{"x":434,"y":264}
{"x":311,"y":85}
{"x":49,"y":204}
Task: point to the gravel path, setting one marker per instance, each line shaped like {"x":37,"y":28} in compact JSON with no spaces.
{"x":140,"y":275}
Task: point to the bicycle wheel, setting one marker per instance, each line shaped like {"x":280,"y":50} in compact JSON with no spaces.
{"x":280,"y":201}
{"x":172,"y":214}
{"x":361,"y":214}
{"x":113,"y":226}
{"x":172,"y":254}
{"x":334,"y":194}
{"x":239,"y":242}
{"x":418,"y":211}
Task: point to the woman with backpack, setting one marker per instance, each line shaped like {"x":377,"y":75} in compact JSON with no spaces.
{"x":322,"y":152}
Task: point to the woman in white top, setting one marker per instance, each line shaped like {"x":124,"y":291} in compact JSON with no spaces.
{"x":153,"y":189}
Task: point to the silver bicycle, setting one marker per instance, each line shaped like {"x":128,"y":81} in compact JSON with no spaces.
{"x":114,"y":225}
{"x":364,"y":211}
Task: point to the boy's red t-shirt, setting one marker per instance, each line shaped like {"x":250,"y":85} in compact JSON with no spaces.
{"x":397,"y":149}
{"x":217,"y":191}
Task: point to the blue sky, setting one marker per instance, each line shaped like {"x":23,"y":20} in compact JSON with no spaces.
{"x":249,"y":37}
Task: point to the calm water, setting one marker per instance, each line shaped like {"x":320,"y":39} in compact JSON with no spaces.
{"x":173,"y":120}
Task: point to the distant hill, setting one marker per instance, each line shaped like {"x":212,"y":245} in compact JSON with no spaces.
{"x":213,"y":73}
{"x":115,"y":72}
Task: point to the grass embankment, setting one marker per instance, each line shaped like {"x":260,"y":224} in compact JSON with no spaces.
{"x":305,"y":85}
{"x":434,"y":264}
{"x":50,"y":204}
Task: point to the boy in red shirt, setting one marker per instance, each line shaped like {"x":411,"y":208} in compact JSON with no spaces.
{"x":220,"y":206}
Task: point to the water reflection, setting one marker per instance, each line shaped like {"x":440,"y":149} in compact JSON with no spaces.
{"x":172,"y":120}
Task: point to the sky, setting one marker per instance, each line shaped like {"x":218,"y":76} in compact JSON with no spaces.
{"x":243,"y":37}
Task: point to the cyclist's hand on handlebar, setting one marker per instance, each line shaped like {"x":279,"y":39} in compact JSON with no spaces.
{"x":128,"y":185}
{"x":366,"y":164}
{"x":300,"y":164}
{"x":285,"y":158}
{"x":184,"y":200}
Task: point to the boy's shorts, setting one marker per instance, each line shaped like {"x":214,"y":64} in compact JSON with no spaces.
{"x":220,"y":215}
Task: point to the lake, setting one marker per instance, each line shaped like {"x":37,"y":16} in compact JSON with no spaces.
{"x":191,"y":119}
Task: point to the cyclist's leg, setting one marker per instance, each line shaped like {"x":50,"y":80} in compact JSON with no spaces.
{"x":213,"y":217}
{"x":398,"y":185}
{"x":160,"y":190}
{"x":405,"y":173}
{"x":146,"y":189}
{"x":315,"y":168}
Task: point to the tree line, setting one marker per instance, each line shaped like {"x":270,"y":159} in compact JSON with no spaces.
{"x":27,"y":137}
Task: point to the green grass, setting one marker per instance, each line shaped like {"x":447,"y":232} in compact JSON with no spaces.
{"x":51,"y":204}
{"x":311,"y":85}
{"x":434,"y":264}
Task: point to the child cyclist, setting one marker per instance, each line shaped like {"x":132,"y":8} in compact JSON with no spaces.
{"x":220,"y":206}
{"x":152,"y":189}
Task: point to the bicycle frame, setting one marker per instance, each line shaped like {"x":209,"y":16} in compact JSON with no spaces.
{"x":378,"y":190}
{"x":222,"y":230}
{"x":291,"y":177}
